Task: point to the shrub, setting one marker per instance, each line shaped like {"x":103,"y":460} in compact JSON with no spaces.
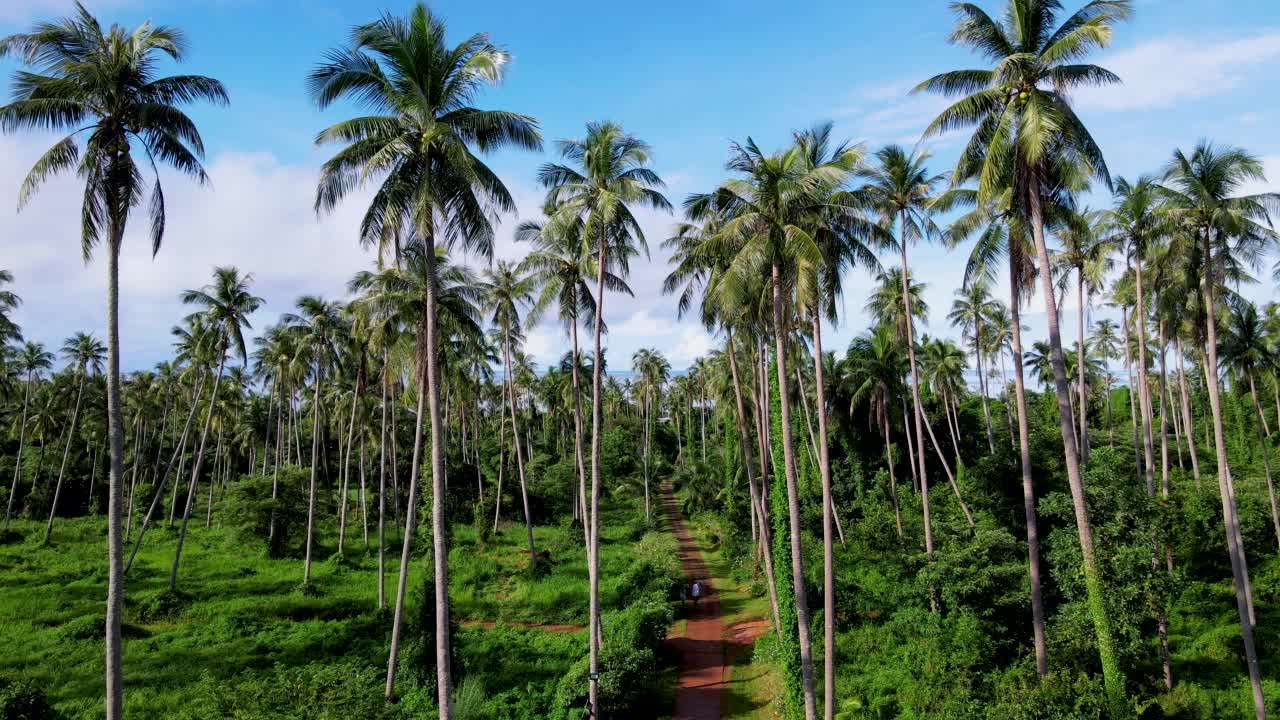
{"x":21,"y":700}
{"x":249,"y":509}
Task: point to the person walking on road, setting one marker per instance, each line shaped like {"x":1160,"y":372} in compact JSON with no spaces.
{"x":697,"y":592}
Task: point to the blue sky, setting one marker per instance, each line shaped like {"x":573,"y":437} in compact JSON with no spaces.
{"x":687,"y":77}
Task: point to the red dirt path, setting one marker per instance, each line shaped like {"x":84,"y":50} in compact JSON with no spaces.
{"x":702,"y":653}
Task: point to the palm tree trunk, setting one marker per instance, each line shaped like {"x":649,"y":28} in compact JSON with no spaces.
{"x":911,"y":450}
{"x":66,"y":452}
{"x":22,"y":439}
{"x":917,"y":409}
{"x":647,"y":416}
{"x":1113,"y":680}
{"x":213,"y":476}
{"x":593,"y":547}
{"x":828,"y":509}
{"x":1083,"y":387}
{"x":893,"y":481}
{"x":282,"y":450}
{"x":114,"y":686}
{"x":1144,"y":389}
{"x":138,"y":434}
{"x":793,"y":502}
{"x":1230,"y":513}
{"x":1028,"y":486}
{"x":444,"y":681}
{"x":578,"y":459}
{"x":382,"y":492}
{"x":757,"y":509}
{"x":509,"y":381}
{"x":982,"y":388}
{"x":164,"y":479}
{"x":502,"y":461}
{"x":196,"y":465}
{"x":953,"y":423}
{"x":1133,"y":387}
{"x":1264,"y":439}
{"x":1186,"y":411}
{"x":1164,"y":415}
{"x":364,"y":494}
{"x":315,"y":457}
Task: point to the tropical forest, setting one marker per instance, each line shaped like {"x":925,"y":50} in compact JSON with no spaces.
{"x":974,"y":421}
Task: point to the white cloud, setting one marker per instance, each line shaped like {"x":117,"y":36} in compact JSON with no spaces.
{"x":1163,"y":72}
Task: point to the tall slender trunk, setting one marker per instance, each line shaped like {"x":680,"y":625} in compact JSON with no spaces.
{"x":982,"y":389}
{"x":382,"y":491}
{"x":1144,"y":389}
{"x":213,"y":476}
{"x":593,"y":547}
{"x":1186,"y":411}
{"x":1230,"y":513}
{"x":645,"y":406}
{"x":502,"y":461}
{"x":578,"y":459}
{"x":1083,"y":386}
{"x":893,"y":481}
{"x":828,"y":509}
{"x":139,"y":433}
{"x":509,"y":381}
{"x":1133,"y":387}
{"x":346,"y":468}
{"x":1164,"y":415}
{"x":315,"y":458}
{"x":1113,"y":680}
{"x":364,"y":494}
{"x":164,"y":479}
{"x":66,"y":452}
{"x":196,"y":465}
{"x":282,"y":450}
{"x":793,"y":502}
{"x":1028,"y":485}
{"x":917,"y":409}
{"x":22,"y":439}
{"x":757,"y":507}
{"x":114,"y":690}
{"x":911,"y":448}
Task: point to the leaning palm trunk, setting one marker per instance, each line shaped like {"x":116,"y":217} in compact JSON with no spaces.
{"x":164,"y":479}
{"x":757,"y":506}
{"x":1185,"y":402}
{"x":1112,"y":678}
{"x":793,"y":503}
{"x":1133,"y":386}
{"x":828,"y":509}
{"x":1028,"y":487}
{"x":1264,"y":439}
{"x":66,"y":452}
{"x":1230,"y":514}
{"x":509,"y":381}
{"x":593,"y":547}
{"x":22,"y":438}
{"x":196,"y":465}
{"x":578,"y":459}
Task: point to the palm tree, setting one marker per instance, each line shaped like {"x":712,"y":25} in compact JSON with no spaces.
{"x":1107,"y":348}
{"x":1021,"y":111}
{"x":505,"y":290}
{"x":873,"y":373}
{"x":226,"y":304}
{"x":1200,"y":194}
{"x":418,"y":148}
{"x":85,"y":353}
{"x":969,"y":311}
{"x":318,"y":326}
{"x":610,"y":176}
{"x":1247,"y":350}
{"x":31,"y":359}
{"x":652,"y":370}
{"x":9,"y":301}
{"x":1086,"y":251}
{"x":103,"y":83}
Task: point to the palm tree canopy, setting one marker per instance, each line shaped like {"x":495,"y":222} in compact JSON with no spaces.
{"x":103,"y":82}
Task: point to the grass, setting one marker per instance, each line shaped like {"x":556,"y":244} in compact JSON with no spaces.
{"x":238,"y":610}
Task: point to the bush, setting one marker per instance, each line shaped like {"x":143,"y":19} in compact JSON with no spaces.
{"x":164,"y":605}
{"x":319,"y":690}
{"x":21,"y":700}
{"x":628,"y":661}
{"x":248,"y":509}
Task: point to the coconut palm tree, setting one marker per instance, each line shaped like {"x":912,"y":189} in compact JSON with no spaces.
{"x":31,"y":360}
{"x":9,"y":301}
{"x":103,"y":83}
{"x":607,"y":176}
{"x":1200,"y":191}
{"x":1086,"y":251}
{"x":418,"y":147}
{"x":969,"y":312}
{"x":506,"y":288}
{"x":318,"y":326}
{"x":873,"y":372}
{"x":653,"y":370}
{"x":226,"y":304}
{"x":85,"y":353}
{"x":1106,"y":346}
{"x":1248,"y":351}
{"x":900,"y":189}
{"x":1022,"y":116}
